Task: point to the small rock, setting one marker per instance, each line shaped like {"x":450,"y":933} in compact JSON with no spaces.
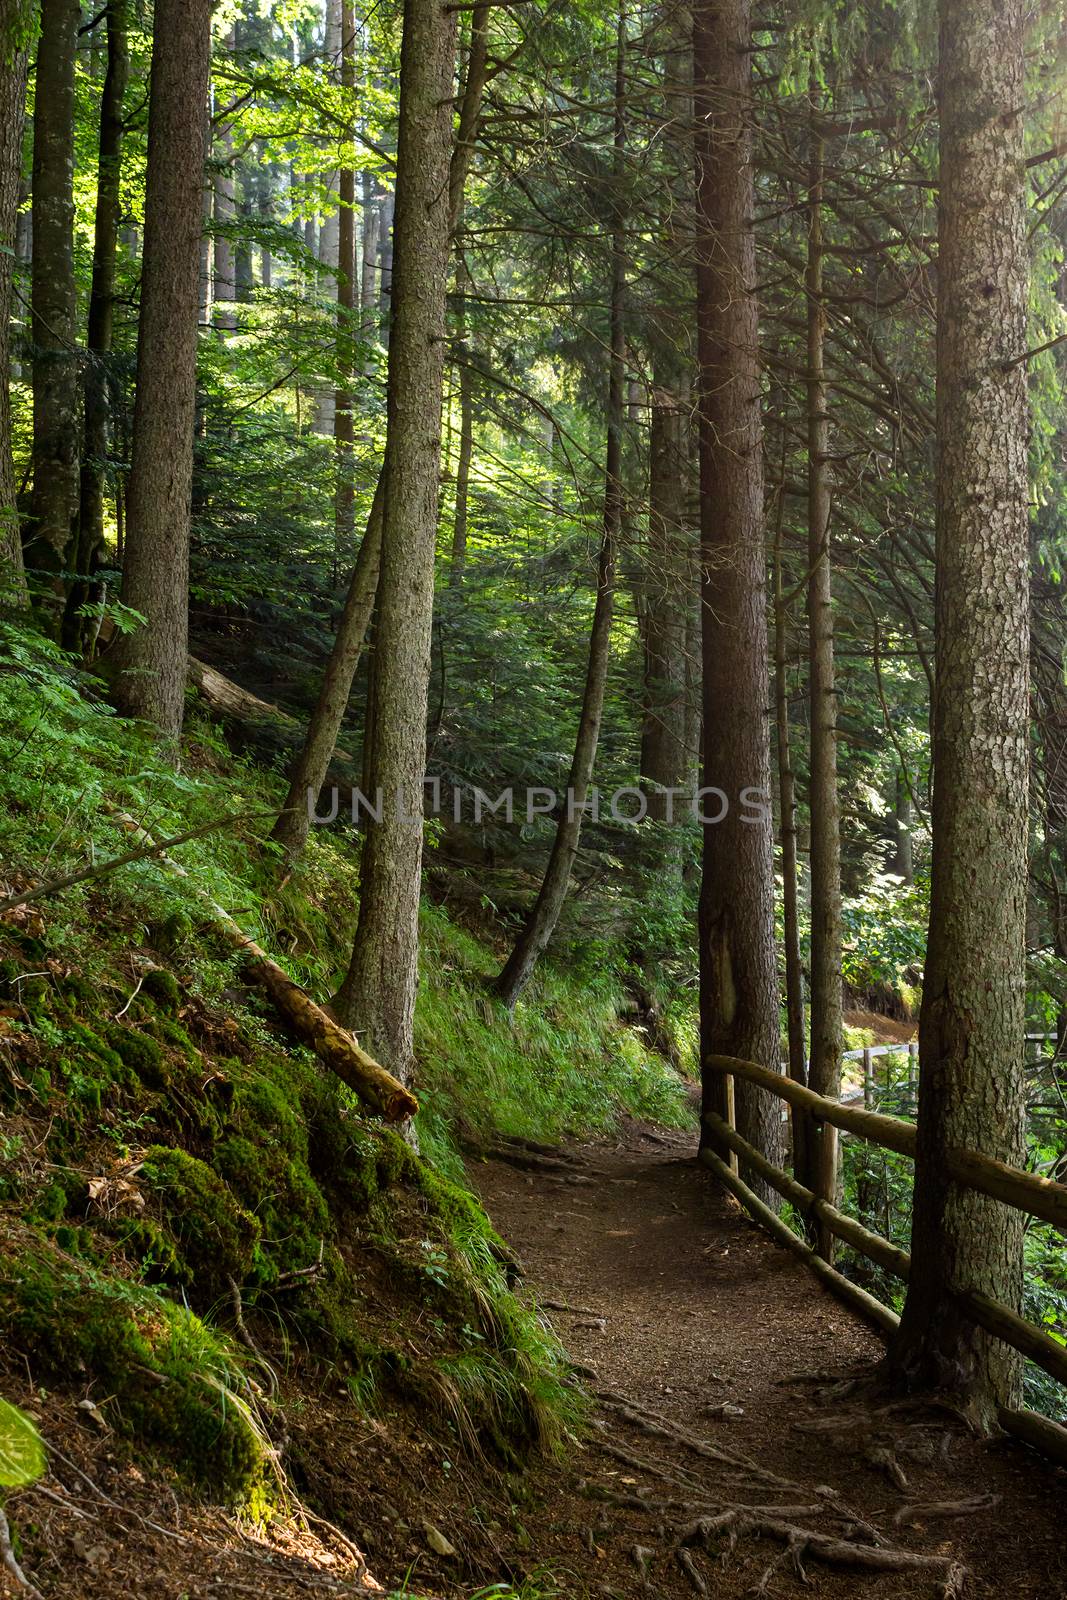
{"x":437,"y":1541}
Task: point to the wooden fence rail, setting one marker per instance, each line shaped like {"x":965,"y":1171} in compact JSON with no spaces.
{"x":1023,"y":1191}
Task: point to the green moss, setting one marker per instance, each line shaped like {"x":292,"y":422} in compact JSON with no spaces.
{"x":171,"y":932}
{"x":161,"y":987}
{"x":170,"y":1381}
{"x":167,"y":1031}
{"x":141,"y":1054}
{"x":214,"y":1237}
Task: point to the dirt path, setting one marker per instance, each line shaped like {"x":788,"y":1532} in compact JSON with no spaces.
{"x":702,"y":1324}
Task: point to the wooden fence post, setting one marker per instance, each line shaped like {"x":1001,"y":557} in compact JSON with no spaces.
{"x":731,"y":1118}
{"x":868,"y":1079}
{"x":825,"y":1184}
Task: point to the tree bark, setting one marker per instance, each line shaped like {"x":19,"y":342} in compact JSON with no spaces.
{"x":973,"y":1012}
{"x":824,"y":1069}
{"x":368,"y":288}
{"x":13,"y":69}
{"x":90,"y":541}
{"x":151,"y":662}
{"x":378,"y":992}
{"x":738,"y":972}
{"x":541,"y":923}
{"x":54,"y":324}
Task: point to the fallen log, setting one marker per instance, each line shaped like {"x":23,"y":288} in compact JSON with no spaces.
{"x":334,"y":1045}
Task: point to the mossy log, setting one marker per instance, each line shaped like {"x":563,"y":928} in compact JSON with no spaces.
{"x":334,"y":1045}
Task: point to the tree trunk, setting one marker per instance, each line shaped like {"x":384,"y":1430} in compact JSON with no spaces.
{"x":368,"y":288}
{"x":54,"y":325}
{"x":309,"y":770}
{"x":973,"y":1013}
{"x":824,"y":1069}
{"x":787,"y":802}
{"x":541,"y":923}
{"x":225,"y":272}
{"x":666,"y":592}
{"x":738,"y":975}
{"x":343,"y":433}
{"x":378,"y":992}
{"x":90,"y":541}
{"x":13,"y":70}
{"x":330,"y":231}
{"x":904,"y":855}
{"x":466,"y":442}
{"x":151,"y":663}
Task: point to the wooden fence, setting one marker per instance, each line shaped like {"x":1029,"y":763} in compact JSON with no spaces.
{"x":1023,"y":1191}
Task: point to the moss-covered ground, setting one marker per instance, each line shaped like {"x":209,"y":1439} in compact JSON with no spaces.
{"x":195,"y":1219}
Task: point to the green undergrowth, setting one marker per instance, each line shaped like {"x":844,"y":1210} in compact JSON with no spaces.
{"x":172,"y":1167}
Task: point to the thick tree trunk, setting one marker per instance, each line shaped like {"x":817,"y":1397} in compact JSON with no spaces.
{"x":90,"y":542}
{"x":54,"y":324}
{"x":666,"y":593}
{"x":311,"y":765}
{"x":824,"y":1069}
{"x":738,"y":973}
{"x":378,"y":992}
{"x":151,"y":663}
{"x":973,"y":1014}
{"x":545,"y":914}
{"x":13,"y":69}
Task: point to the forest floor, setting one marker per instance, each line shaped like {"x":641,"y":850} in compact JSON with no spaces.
{"x":723,"y":1420}
{"x":723,"y":1370}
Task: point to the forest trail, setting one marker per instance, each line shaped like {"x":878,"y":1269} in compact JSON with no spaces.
{"x":682,"y":1308}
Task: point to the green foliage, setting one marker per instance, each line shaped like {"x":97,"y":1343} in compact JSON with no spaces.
{"x":22,"y":1455}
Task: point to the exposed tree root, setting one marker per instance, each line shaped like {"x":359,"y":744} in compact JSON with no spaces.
{"x":9,"y":1563}
{"x":733,"y":1524}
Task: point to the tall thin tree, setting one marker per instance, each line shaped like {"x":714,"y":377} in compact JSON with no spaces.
{"x":548,"y":906}
{"x":54,"y":325}
{"x":90,"y":525}
{"x":15,"y":19}
{"x":824,"y":1071}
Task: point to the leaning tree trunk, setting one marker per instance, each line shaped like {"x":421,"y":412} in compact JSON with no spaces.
{"x":973,"y":1015}
{"x":378,"y":992}
{"x":311,"y":765}
{"x":90,"y":538}
{"x":151,"y":662}
{"x":738,"y":972}
{"x":545,"y":913}
{"x":13,"y":68}
{"x":824,"y":1071}
{"x":54,"y":325}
